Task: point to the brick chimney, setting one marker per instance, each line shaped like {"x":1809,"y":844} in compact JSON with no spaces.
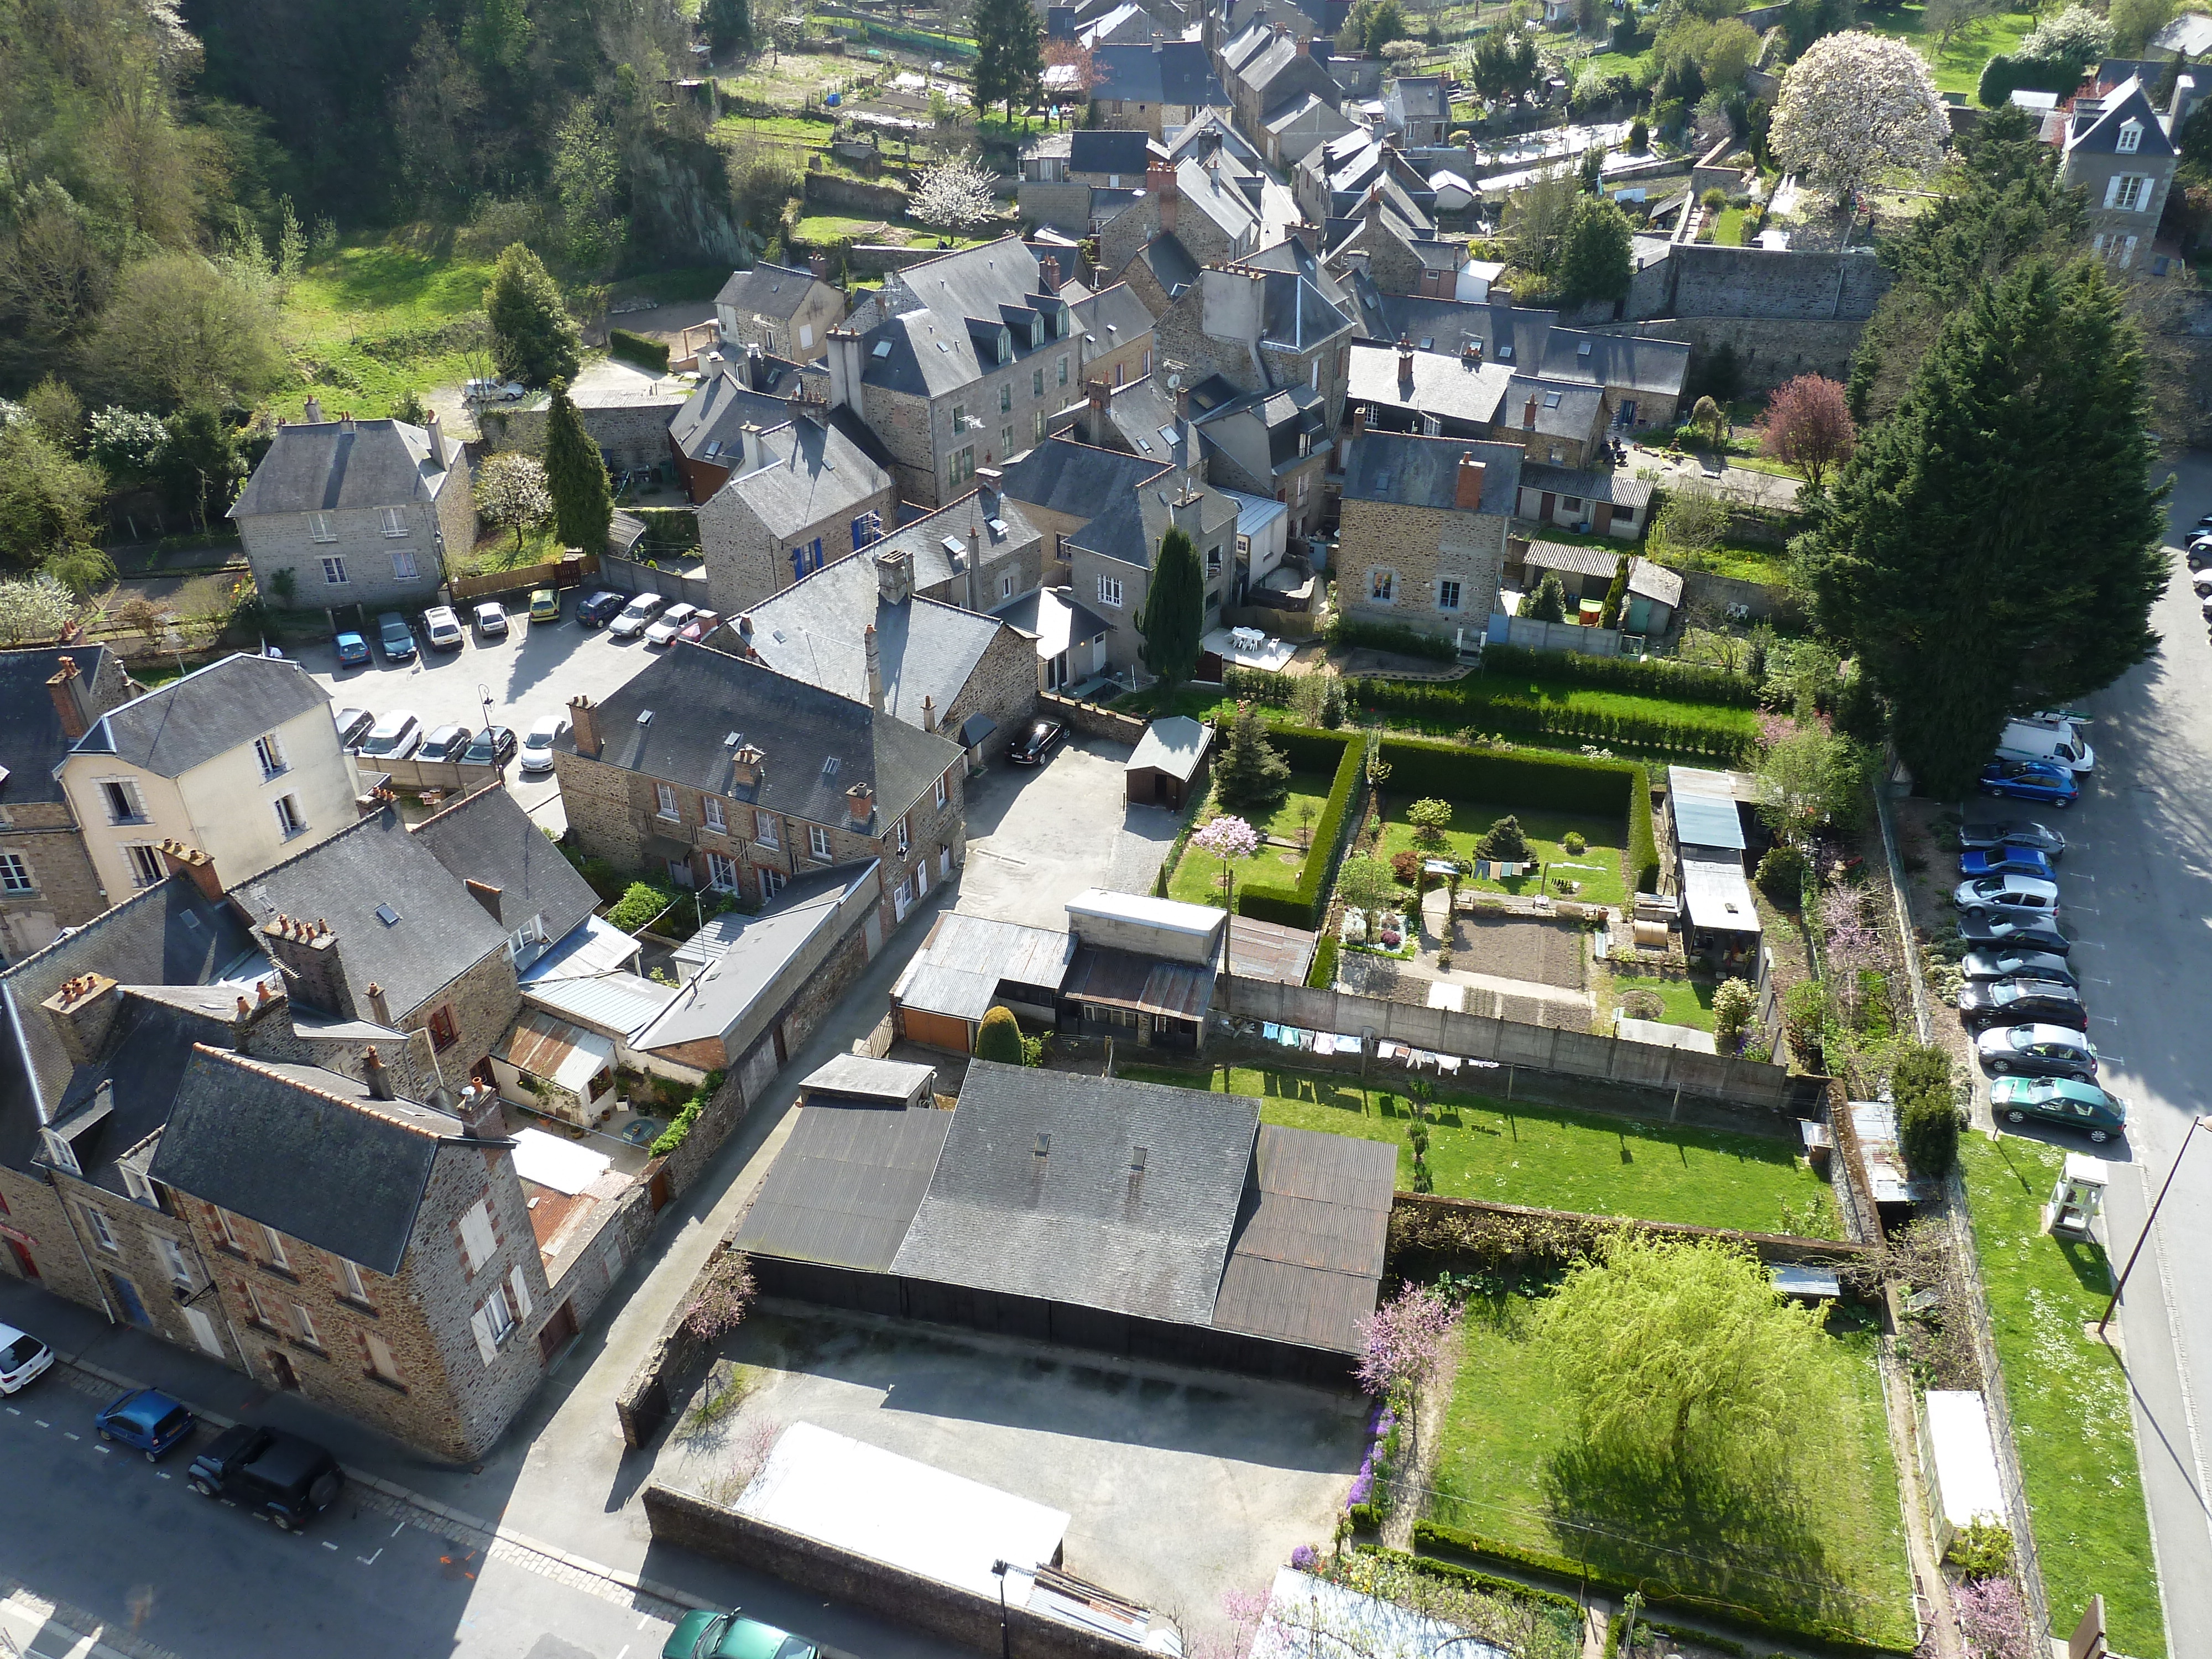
{"x":584,"y":722}
{"x":819,"y":264}
{"x":1160,"y":180}
{"x":72,"y":700}
{"x":1528,"y":417}
{"x":345,"y":420}
{"x":374,"y":1074}
{"x":1305,"y":46}
{"x":1048,"y":275}
{"x":1281,"y":29}
{"x":1307,"y":235}
{"x":1094,"y":429}
{"x":1360,"y":420}
{"x":894,"y":574}
{"x":1374,"y":208}
{"x":484,"y":894}
{"x":1405,"y":362}
{"x":83,"y":1012}
{"x":307,"y":952}
{"x":1467,"y":493}
{"x":746,"y":766}
{"x":478,"y":1110}
{"x":875,"y":668}
{"x":379,"y":1008}
{"x":198,"y":864}
{"x":928,"y":713}
{"x":434,"y":431}
{"x":861,"y":804}
{"x":988,"y":481}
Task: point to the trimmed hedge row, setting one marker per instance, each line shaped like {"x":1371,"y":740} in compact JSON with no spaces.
{"x":1688,"y":682}
{"x":1457,"y":704}
{"x":1828,"y":1638}
{"x":622,"y":343}
{"x":1451,"y":1573}
{"x":1521,"y":777}
{"x":1343,"y":630}
{"x":1310,"y":750}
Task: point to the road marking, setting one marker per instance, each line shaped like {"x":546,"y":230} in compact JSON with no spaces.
{"x":102,"y":1450}
{"x":624,"y":1654}
{"x":369,"y":1560}
{"x":66,"y":1435}
{"x":328,"y":1545}
{"x":12,"y":1412}
{"x":164,"y":1473}
{"x":643,"y":1622}
{"x":2105,"y":1019}
{"x":42,"y":1422}
{"x":401,"y":1527}
{"x":2085,"y":909}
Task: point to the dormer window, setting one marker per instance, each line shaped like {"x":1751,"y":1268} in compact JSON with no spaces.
{"x":2131,"y":138}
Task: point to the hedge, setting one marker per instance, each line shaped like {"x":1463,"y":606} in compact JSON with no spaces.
{"x":668,"y":527}
{"x":1683,"y":682}
{"x":1450,"y":1573}
{"x":1322,"y":973}
{"x":1457,"y":704}
{"x":1343,"y":630}
{"x":654,"y":354}
{"x":1828,"y":1638}
{"x":1310,"y":750}
{"x":679,"y":1129}
{"x":1520,"y":777}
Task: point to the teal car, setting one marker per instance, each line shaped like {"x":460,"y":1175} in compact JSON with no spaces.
{"x":2082,"y":1106}
{"x":704,"y":1635}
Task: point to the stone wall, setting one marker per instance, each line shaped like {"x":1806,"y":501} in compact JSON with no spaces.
{"x":277,"y":542}
{"x":649,"y":1397}
{"x":632,"y":434}
{"x":874,"y":259}
{"x":715,"y":1123}
{"x":1003,"y":685}
{"x":1065,"y":207}
{"x":1707,"y":279}
{"x":485,"y":1001}
{"x":1091,"y":718}
{"x":1421,"y":547}
{"x":832,"y":190}
{"x":65,"y":890}
{"x":1770,"y":351}
{"x":1765,"y":603}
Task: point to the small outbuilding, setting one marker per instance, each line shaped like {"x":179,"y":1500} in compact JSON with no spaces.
{"x":1168,"y":767}
{"x":1963,"y":1489}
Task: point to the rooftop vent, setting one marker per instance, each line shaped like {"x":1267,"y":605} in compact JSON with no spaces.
{"x":1137,"y":1157}
{"x":1043,"y":1144}
{"x":731,"y":739}
{"x":830,"y":767}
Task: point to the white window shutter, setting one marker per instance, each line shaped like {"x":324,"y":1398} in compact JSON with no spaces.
{"x":2113,"y":189}
{"x":480,"y":1323}
{"x":522,"y":1287}
{"x":477,"y":1244}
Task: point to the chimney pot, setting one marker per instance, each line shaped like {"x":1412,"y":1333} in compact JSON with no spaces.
{"x":928,"y":713}
{"x":819,"y":264}
{"x":83,"y":1013}
{"x":861,"y":804}
{"x":72,"y":699}
{"x":191,"y":861}
{"x":375,"y":1074}
{"x":315,"y":410}
{"x":875,"y":668}
{"x":1529,"y":415}
{"x":1048,"y":274}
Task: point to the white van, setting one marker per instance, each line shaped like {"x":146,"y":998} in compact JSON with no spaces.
{"x":2060,"y":743}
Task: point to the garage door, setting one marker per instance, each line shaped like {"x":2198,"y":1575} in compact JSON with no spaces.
{"x":934,"y":1030}
{"x":758,"y":1070}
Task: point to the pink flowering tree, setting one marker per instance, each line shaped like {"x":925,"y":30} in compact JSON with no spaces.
{"x":1404,"y":1343}
{"x":1228,"y":838}
{"x":1992,"y":1619}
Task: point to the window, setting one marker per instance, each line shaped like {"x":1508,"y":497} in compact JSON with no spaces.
{"x":478,"y":1240}
{"x":136,"y":1184}
{"x":962,"y":467}
{"x":256,"y":1311}
{"x":444,"y":1034}
{"x":868,"y":527}
{"x":1447,"y":594}
{"x":1005,"y":439}
{"x":1109,"y":591}
{"x":1572,"y":503}
{"x":277,"y":1259}
{"x":2128,"y":192}
{"x":319,"y":528}
{"x":806,"y":337}
{"x":2130,"y":138}
{"x":15,"y":875}
{"x":904,"y":828}
{"x":123,"y":803}
{"x":818,"y":842}
{"x":497,"y":1318}
{"x":102,"y":1234}
{"x":378,"y":1352}
{"x":711,"y":805}
{"x":270,"y":753}
{"x":303,"y":1323}
{"x":772,"y":882}
{"x":227,"y":1232}
{"x":334,"y":572}
{"x":1381,"y":585}
{"x":146,"y":868}
{"x":403,"y":567}
{"x":348,"y":1280}
{"x":943,"y":786}
{"x":666,"y":793}
{"x":959,"y":419}
{"x":1040,"y":426}
{"x":394,"y":524}
{"x":1316,"y":374}
{"x":1063,"y":370}
{"x":1036,"y":381}
{"x":1118,"y":369}
{"x":1006,"y":587}
{"x":721,"y":872}
{"x":805,"y":558}
{"x":173,"y":1258}
{"x":764,"y":829}
{"x":1006,"y":398}
{"x":291,"y":820}
{"x":1213,"y":561}
{"x":532,"y":932}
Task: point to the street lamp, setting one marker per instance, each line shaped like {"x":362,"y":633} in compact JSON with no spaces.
{"x":1006,"y":1643}
{"x":2151,"y":1220}
{"x":483,"y":696}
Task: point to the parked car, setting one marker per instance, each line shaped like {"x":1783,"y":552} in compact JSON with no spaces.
{"x":145,"y":1418}
{"x":2006,"y":860}
{"x":2017,"y":964}
{"x":636,"y":615}
{"x":2201,"y":580}
{"x":289,"y":1479}
{"x":445,"y":742}
{"x":493,"y":392}
{"x":443,"y":627}
{"x":493,"y":746}
{"x":491,"y":620}
{"x":353,"y":651}
{"x":396,"y":637}
{"x":394,"y":737}
{"x":704,"y":1635}
{"x":2037,"y":1051}
{"x":544,"y":606}
{"x":600,"y":609}
{"x":538,"y":743}
{"x":2024,"y":897}
{"x":2200,"y":552}
{"x":670,"y":622}
{"x":2012,"y":934}
{"x":22,"y":1358}
{"x":2015,"y":832}
{"x":2055,"y":742}
{"x":1033,"y":745}
{"x":2027,"y":779}
{"x":2018,"y":1001}
{"x":2082,"y":1106}
{"x":702,"y":624}
{"x":353,"y":725}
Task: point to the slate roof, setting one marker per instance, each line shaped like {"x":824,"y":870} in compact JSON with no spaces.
{"x":1144,"y":414}
{"x":1439,"y":384}
{"x":1419,"y":97}
{"x":766,"y":290}
{"x":703,"y":695}
{"x":1062,"y":475}
{"x":1131,"y":527}
{"x":1305,"y":1265}
{"x":1281,"y":415}
{"x":1080,"y":1224}
{"x":1169,"y":262}
{"x":846,"y":1186}
{"x":1563,"y":410}
{"x":1156,"y":72}
{"x":209,"y":712}
{"x":713,"y":417}
{"x":326,"y":466}
{"x":1508,"y":334}
{"x":968,"y":519}
{"x":1393,"y":467}
{"x":1295,"y":313}
{"x":1619,"y":487}
{"x":931,"y":349}
{"x":1615,"y":360}
{"x":2126,"y":102}
{"x":1112,"y":317}
{"x":1213,"y":129}
{"x":1101,"y":149}
{"x":813,"y":474}
{"x":1279,"y":73}
{"x":1057,"y":619}
{"x":304,"y":1150}
{"x":488,"y":838}
{"x":437,"y":932}
{"x":1210,"y":192}
{"x":151,"y":1045}
{"x":31,"y":740}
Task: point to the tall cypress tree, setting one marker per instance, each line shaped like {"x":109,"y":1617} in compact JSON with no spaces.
{"x":1994,"y":545}
{"x":533,"y":339}
{"x":1174,"y":612}
{"x":583,"y":501}
{"x":1009,"y":59}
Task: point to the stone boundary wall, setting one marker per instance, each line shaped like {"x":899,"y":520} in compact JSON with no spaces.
{"x":1764,"y":603}
{"x":1770,"y":351}
{"x":1091,"y":718}
{"x":1711,"y":279}
{"x":833,"y":189}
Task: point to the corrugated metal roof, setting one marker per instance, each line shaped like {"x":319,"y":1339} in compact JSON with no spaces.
{"x":1718,"y":897}
{"x":934,"y":988}
{"x":845,"y":1185}
{"x":613,"y":1002}
{"x":549,"y":1047}
{"x":1306,"y":1262}
{"x":962,"y":964}
{"x":1268,"y":949}
{"x":858,"y":1075}
{"x":1122,"y":979}
{"x":1707,"y":821}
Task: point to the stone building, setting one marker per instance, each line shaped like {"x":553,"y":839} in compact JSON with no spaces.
{"x":1281,"y":93}
{"x":1421,"y":534}
{"x":723,"y":773}
{"x":742,"y":388}
{"x":49,"y":698}
{"x":1198,"y":203}
{"x":1271,"y":443}
{"x":354,"y":517}
{"x":1065,"y":483}
{"x":786,"y":312}
{"x":1417,"y":110}
{"x":1259,"y":330}
{"x":1154,"y":85}
{"x":238,"y":758}
{"x":1112,"y":557}
{"x":627,"y":419}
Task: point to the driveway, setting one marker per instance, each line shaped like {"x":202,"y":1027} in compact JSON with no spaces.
{"x":1036,"y":838}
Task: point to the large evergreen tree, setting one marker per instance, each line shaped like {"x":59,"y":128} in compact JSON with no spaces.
{"x":1594,"y":259}
{"x":533,"y":339}
{"x":1251,"y":775}
{"x":1009,"y":59}
{"x":583,"y":502}
{"x":1175,"y":612}
{"x":1994,"y":545}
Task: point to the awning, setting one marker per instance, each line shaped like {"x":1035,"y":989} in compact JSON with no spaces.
{"x":976,"y":728}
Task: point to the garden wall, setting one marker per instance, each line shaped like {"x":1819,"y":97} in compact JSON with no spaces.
{"x":832,"y":190}
{"x":1091,"y":718}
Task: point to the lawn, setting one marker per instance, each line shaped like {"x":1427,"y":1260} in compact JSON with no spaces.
{"x":1597,"y":868}
{"x":380,"y":319}
{"x":1830,"y":1552}
{"x":1476,"y":690}
{"x":1197,"y":878}
{"x":2069,"y":1396}
{"x":1728,"y":226}
{"x":1687,"y":1001}
{"x":1958,"y":68}
{"x":1547,"y":1158}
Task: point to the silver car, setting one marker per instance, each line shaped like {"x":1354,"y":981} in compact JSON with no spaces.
{"x":2037,"y":1051}
{"x":545,"y":730}
{"x":2015,"y":897}
{"x":394,"y":736}
{"x":636,"y":615}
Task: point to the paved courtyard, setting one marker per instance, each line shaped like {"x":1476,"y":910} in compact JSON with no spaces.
{"x":1036,"y":838}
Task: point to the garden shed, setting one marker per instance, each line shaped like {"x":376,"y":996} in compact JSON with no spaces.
{"x":1169,"y":766}
{"x":1963,"y":1487}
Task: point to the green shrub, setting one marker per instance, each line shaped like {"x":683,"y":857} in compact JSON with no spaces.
{"x":1504,"y":841}
{"x":1983,"y":1550}
{"x":1348,"y":631}
{"x":1684,"y":681}
{"x":1928,"y":1120}
{"x":1554,"y":783}
{"x":1734,"y":1003}
{"x":1299,"y":906}
{"x":1804,"y":1021}
{"x":641,"y":900}
{"x":999,"y":1037}
{"x":1322,"y":973}
{"x":680,"y":1129}
{"x":1364,"y":1518}
{"x":1575,"y":843}
{"x":668,"y":529}
{"x":650,"y":354}
{"x":1447,"y":1572}
{"x":1782,"y":875}
{"x":1642,"y":855}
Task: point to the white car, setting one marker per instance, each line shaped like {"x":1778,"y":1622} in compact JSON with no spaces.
{"x":394,"y":737}
{"x":638,"y":612}
{"x":670,"y":622}
{"x":491,"y":619}
{"x":443,"y":627}
{"x":22,"y":1357}
{"x":538,"y":742}
{"x":494,"y":392}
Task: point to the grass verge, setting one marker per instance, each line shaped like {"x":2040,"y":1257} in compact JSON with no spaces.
{"x":1958,"y":68}
{"x":1597,"y":868}
{"x":1686,"y":1001}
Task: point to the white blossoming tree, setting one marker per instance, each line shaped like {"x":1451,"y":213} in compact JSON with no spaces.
{"x":35,"y":610}
{"x":953,"y":195}
{"x":1856,"y":105}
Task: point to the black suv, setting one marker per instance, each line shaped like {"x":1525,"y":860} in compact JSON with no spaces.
{"x":280,"y":1475}
{"x":2021,"y":1002}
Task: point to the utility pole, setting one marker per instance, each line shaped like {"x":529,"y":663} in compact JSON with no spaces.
{"x":2149,"y":1221}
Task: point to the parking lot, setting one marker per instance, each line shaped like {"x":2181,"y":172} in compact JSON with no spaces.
{"x":1037,"y":838}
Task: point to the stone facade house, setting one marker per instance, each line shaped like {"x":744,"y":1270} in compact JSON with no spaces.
{"x":724,"y":773}
{"x":1065,"y":483}
{"x":1273,"y":444}
{"x":1260,"y":330}
{"x":1421,"y":533}
{"x":49,"y":698}
{"x":238,"y":758}
{"x":1202,"y":206}
{"x":2117,"y":149}
{"x":1112,"y":557}
{"x":1152,"y":86}
{"x":355,"y":517}
{"x":785,"y":312}
{"x":1275,"y":84}
{"x":736,"y":389}
{"x":1117,"y":341}
{"x":627,"y":419}
{"x":1418,"y":111}
{"x":1610,"y":502}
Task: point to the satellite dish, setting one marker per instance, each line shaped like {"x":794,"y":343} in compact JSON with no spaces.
{"x":1175,"y":382}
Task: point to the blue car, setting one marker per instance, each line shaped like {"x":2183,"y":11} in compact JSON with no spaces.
{"x":2030,"y":780}
{"x":146,"y":1419}
{"x":353,"y":651}
{"x":2006,"y":860}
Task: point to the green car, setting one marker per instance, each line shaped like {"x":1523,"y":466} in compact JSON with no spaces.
{"x":704,"y":1635}
{"x":2059,"y":1100}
